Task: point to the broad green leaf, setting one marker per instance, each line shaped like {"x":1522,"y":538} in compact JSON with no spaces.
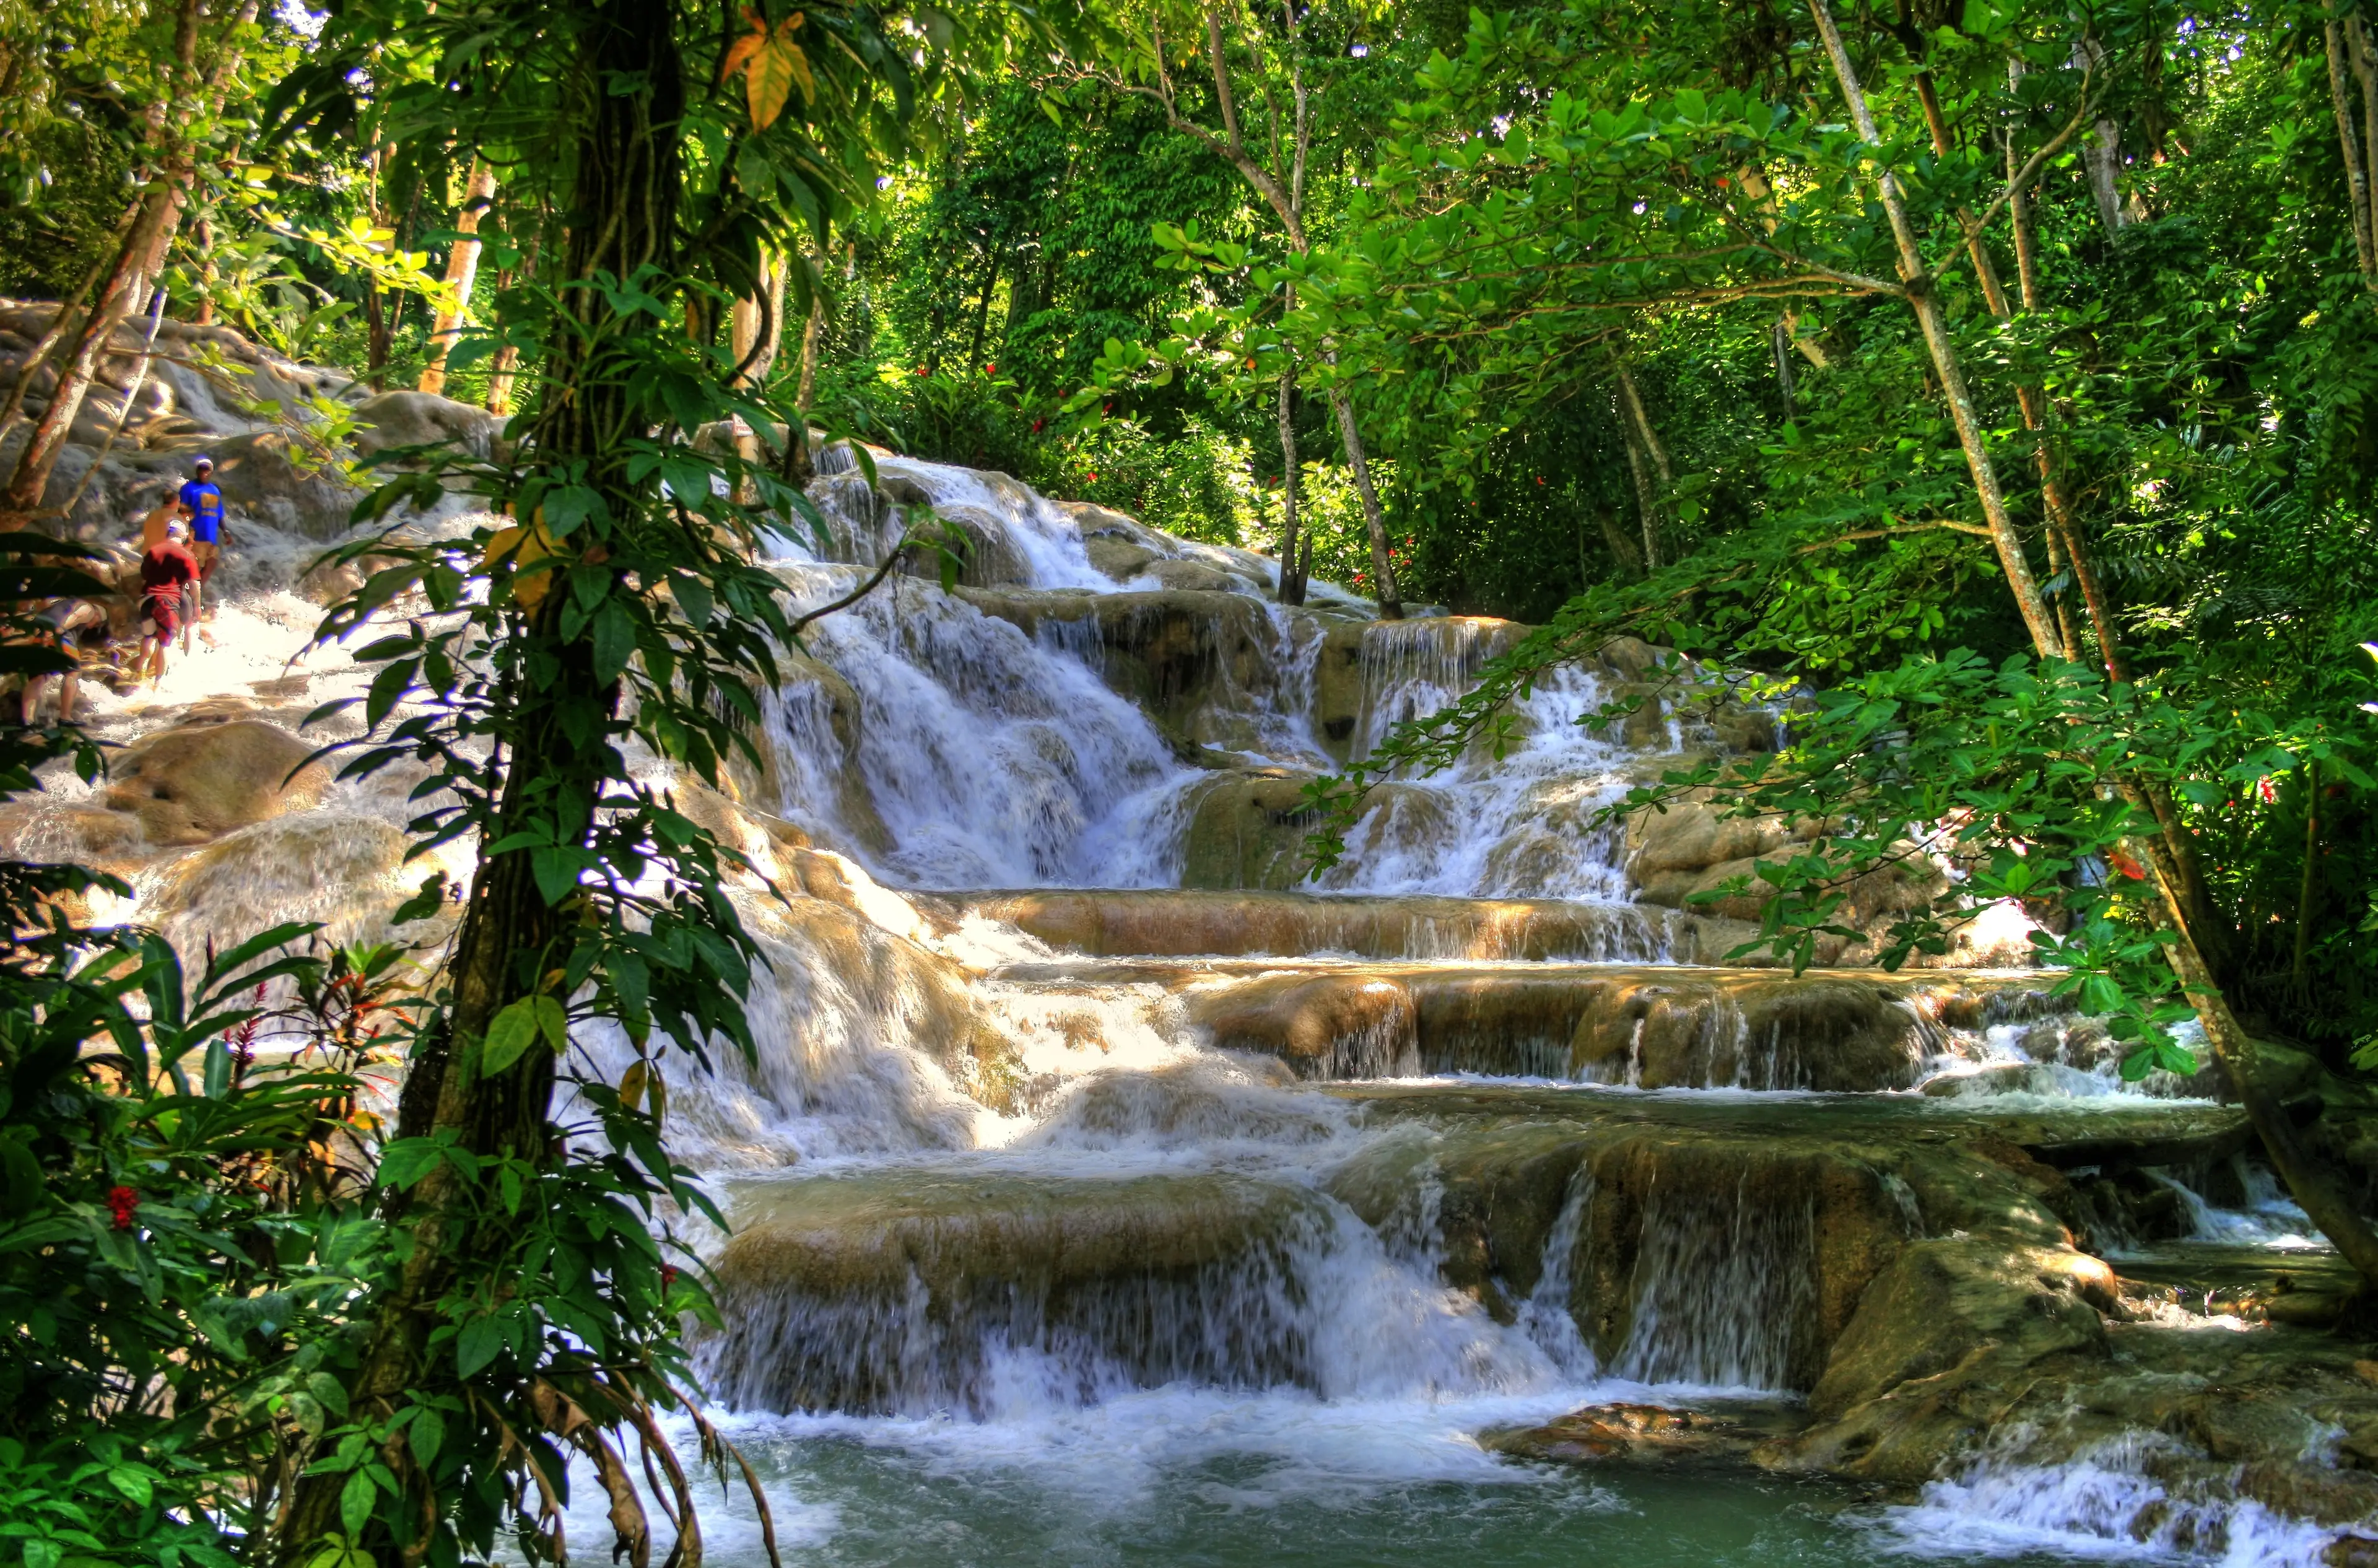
{"x":512,"y":1032}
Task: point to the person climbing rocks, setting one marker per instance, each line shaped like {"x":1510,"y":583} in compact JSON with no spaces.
{"x":165,"y":572}
{"x":152,"y":527}
{"x":202,"y":506}
{"x":77,"y":627}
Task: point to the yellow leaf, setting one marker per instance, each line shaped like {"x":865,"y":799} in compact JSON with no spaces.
{"x":741,"y":55}
{"x":533,"y":543}
{"x":777,"y":67}
{"x":632,"y":1085}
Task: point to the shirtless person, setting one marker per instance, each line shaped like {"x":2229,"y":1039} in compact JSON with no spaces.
{"x":165,"y":572}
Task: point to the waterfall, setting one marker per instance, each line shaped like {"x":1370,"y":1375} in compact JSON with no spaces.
{"x":1080,"y":1138}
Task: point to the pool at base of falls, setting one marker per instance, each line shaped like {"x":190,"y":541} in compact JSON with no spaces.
{"x":1272,"y":1480}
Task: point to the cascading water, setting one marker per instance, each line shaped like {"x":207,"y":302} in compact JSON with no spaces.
{"x":1231,"y":1258}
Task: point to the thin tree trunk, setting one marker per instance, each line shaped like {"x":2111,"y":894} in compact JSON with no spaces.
{"x":2365,"y":72}
{"x":1943,"y":349}
{"x":982,"y":310}
{"x":2102,"y":152}
{"x":461,"y":270}
{"x":1648,"y":459}
{"x":812,"y":333}
{"x":1292,"y":582}
{"x":774,"y":269}
{"x":2357,"y":177}
{"x":1780,"y":340}
{"x":204,"y":234}
{"x":1286,"y":198}
{"x":1625,"y":548}
{"x":2300,"y":969}
{"x":1383,"y":565}
{"x":501,"y":368}
{"x":124,"y":414}
{"x":505,"y":366}
{"x":1647,"y":496}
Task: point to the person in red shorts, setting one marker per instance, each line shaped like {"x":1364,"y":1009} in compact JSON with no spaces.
{"x":164,"y":571}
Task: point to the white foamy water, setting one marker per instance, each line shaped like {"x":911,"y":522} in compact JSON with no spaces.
{"x":2103,"y":1506}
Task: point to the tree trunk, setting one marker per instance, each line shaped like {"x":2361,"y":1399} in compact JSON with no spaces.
{"x":204,"y":234}
{"x":2357,"y":177}
{"x":2102,"y":152}
{"x":774,"y":269}
{"x":461,"y":270}
{"x":982,"y":308}
{"x":1943,"y":349}
{"x":1292,"y":581}
{"x":1647,"y":460}
{"x":627,"y":179}
{"x":1383,"y":565}
{"x":502,"y":367}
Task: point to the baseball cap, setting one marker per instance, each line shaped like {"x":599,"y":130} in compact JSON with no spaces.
{"x":204,"y":462}
{"x":177,"y":529}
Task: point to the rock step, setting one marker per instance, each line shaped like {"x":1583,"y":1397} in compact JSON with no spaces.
{"x":1650,"y":1027}
{"x":1836,"y":1248}
{"x":1181,"y":922}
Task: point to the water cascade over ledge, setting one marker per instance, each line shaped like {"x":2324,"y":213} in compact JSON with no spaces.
{"x":1095,"y":1165}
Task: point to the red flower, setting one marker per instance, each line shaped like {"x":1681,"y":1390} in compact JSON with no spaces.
{"x":1037,"y":425}
{"x":125,"y":1202}
{"x":2124,"y":865}
{"x":991,"y":370}
{"x":922,"y":371}
{"x":1094,"y":479}
{"x":669,"y":1276}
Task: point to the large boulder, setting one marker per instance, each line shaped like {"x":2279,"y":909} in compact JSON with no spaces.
{"x":1247,"y":827}
{"x":404,"y":418}
{"x":197,"y":782}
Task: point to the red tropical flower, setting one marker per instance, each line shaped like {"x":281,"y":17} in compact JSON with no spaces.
{"x":126,"y":1202}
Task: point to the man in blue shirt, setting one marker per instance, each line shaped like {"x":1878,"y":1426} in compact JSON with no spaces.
{"x":202,"y":504}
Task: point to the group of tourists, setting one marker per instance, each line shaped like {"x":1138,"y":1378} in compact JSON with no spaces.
{"x":181,"y":540}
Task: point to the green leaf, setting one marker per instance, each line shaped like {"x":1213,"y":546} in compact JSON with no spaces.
{"x":356,"y":1502}
{"x":615,"y":640}
{"x":514,"y":1030}
{"x":426,"y":1435}
{"x":480,"y":1342}
{"x":553,"y":1022}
